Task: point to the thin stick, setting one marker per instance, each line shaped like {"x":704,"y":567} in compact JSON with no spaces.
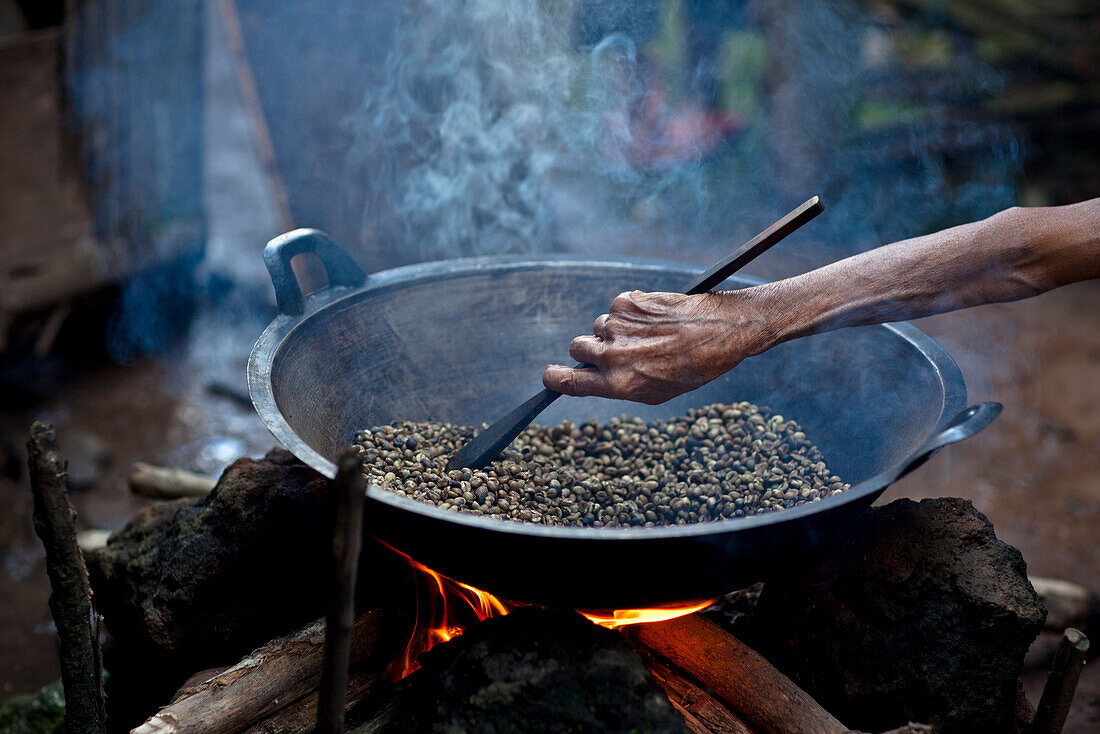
{"x":349,"y":489}
{"x":1057,"y":696}
{"x":738,"y":675}
{"x":168,"y":484}
{"x":71,"y":595}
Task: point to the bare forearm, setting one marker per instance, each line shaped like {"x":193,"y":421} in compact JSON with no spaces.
{"x":1012,"y":255}
{"x":650,"y":347}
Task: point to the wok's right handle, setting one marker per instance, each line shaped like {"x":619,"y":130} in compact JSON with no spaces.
{"x":339,"y":266}
{"x":964,"y":425}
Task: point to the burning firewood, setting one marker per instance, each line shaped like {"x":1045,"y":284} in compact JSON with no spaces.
{"x":703,"y":713}
{"x":717,"y":684}
{"x":737,"y":674}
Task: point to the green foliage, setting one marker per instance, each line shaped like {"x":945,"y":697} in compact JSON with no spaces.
{"x":34,"y":713}
{"x":924,"y":47}
{"x":668,"y":48}
{"x":744,"y":61}
{"x":873,"y":114}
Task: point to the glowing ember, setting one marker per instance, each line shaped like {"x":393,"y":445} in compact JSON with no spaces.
{"x":621,"y":617}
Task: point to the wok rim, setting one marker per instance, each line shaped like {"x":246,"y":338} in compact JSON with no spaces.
{"x":262,"y":359}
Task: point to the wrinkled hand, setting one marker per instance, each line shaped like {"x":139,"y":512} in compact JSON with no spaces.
{"x":651,"y":347}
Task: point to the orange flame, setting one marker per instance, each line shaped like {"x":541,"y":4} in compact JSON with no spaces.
{"x":450,"y":606}
{"x":447,"y":604}
{"x":617,"y":618}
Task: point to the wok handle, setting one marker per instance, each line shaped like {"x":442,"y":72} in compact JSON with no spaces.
{"x":967,"y":423}
{"x":339,"y":266}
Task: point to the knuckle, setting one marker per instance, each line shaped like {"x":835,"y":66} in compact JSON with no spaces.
{"x":622,"y":301}
{"x":568,"y":383}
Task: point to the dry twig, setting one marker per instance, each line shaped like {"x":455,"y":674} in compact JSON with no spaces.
{"x":1050,"y":715}
{"x":71,"y":595}
{"x":349,"y":492}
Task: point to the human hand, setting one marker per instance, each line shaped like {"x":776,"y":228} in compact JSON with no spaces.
{"x":651,"y":347}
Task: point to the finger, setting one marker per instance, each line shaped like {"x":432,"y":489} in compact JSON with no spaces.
{"x":599,"y":328}
{"x":577,"y":382}
{"x":587,"y":349}
{"x":624,"y":301}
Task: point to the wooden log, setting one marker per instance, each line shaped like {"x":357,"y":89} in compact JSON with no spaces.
{"x":738,"y":675}
{"x":349,"y":492}
{"x":1050,"y":714}
{"x":168,"y":484}
{"x":702,"y":712}
{"x":265,"y":682}
{"x":301,"y":716}
{"x":1068,"y":604}
{"x":71,"y":595}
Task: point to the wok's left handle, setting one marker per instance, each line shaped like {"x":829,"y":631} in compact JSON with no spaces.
{"x":339,"y":266}
{"x":963,"y":426}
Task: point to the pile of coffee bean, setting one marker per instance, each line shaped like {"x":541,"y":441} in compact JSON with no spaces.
{"x":714,"y":463}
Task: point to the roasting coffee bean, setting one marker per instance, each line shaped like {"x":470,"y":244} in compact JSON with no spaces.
{"x":714,"y":463}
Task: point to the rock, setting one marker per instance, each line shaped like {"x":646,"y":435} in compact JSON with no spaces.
{"x":531,"y":671}
{"x":186,"y":579}
{"x":921,"y":615}
{"x":197,"y":583}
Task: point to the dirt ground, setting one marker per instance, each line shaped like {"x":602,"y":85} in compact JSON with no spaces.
{"x":1036,"y":471}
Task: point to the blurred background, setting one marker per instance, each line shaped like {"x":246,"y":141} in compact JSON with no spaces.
{"x":148,"y":151}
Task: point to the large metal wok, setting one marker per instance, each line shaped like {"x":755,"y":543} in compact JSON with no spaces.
{"x":465,"y":340}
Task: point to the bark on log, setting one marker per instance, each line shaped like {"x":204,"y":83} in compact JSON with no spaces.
{"x":267,"y":681}
{"x":771,"y":701}
{"x":71,"y":595}
{"x":703,"y":713}
{"x":300,"y":717}
{"x":168,"y":484}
